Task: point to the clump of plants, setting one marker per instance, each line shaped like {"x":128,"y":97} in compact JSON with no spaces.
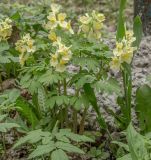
{"x":51,"y":101}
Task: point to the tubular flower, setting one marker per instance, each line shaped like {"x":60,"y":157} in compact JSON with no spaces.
{"x":55,"y":7}
{"x":5,"y":29}
{"x":52,"y":36}
{"x":25,"y":46}
{"x":91,"y":25}
{"x":56,"y":19}
{"x":61,"y":57}
{"x":123,"y":51}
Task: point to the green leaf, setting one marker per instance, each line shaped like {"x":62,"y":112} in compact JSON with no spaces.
{"x":4,"y":127}
{"x":126,"y":157}
{"x":32,"y":137}
{"x":42,"y":99}
{"x":110,"y":86}
{"x":29,"y":82}
{"x":68,"y":147}
{"x":91,"y":97}
{"x":84,"y":79}
{"x":123,"y":145}
{"x":120,"y":27}
{"x":16,"y":16}
{"x":137,"y":27}
{"x":86,"y":62}
{"x":4,"y":59}
{"x":4,"y":46}
{"x":143,"y":107}
{"x":89,"y":92}
{"x":42,"y":150}
{"x":59,"y":155}
{"x":59,"y":100}
{"x":62,"y":138}
{"x":49,"y":78}
{"x":137,"y":145}
{"x":75,"y":137}
{"x":81,"y":102}
{"x":148,"y":78}
{"x":13,"y":95}
{"x":2,"y":117}
{"x":27,"y":110}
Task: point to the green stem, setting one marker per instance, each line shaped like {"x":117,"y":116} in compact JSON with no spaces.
{"x":75,"y":121}
{"x":3,"y":143}
{"x":1,"y":83}
{"x":75,"y":113}
{"x":59,"y":90}
{"x":127,"y":82}
{"x":83,"y":121}
{"x":66,"y":108}
{"x":61,"y":112}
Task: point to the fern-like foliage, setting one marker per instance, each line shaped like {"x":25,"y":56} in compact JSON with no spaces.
{"x":109,"y":86}
{"x":5,"y":126}
{"x":56,"y":143}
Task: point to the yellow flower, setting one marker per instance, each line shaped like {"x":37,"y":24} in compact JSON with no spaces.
{"x":30,"y":46}
{"x":124,"y":51}
{"x":31,"y":49}
{"x":85,"y":19}
{"x":26,"y":38}
{"x":127,"y":57}
{"x":61,"y":16}
{"x":85,"y":28}
{"x":62,"y":24}
{"x":55,"y":8}
{"x":66,"y":58}
{"x":97,"y":25}
{"x":60,"y":68}
{"x":91,"y":25}
{"x":61,"y":57}
{"x":57,"y":42}
{"x":115,"y":63}
{"x":94,"y":35}
{"x":54,"y":60}
{"x":5,"y":29}
{"x":22,"y":60}
{"x":62,"y":62}
{"x":8,"y":20}
{"x":52,"y":17}
{"x":119,"y":49}
{"x":52,"y":36}
{"x":25,"y":45}
{"x":57,"y":19}
{"x":119,"y":45}
{"x":69,"y":28}
{"x":130,"y":36}
{"x":98,"y":16}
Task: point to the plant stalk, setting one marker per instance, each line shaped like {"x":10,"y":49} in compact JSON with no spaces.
{"x":127,"y":83}
{"x":83,"y":121}
{"x":66,"y":108}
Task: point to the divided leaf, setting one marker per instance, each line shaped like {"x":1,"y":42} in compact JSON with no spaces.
{"x":4,"y":127}
{"x":68,"y":147}
{"x":59,"y":155}
{"x":42,"y":150}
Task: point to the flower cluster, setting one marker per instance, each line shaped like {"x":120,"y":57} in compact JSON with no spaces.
{"x":123,"y":51}
{"x":91,"y":25}
{"x":25,"y":46}
{"x":5,"y":29}
{"x":56,"y":19}
{"x":61,"y":56}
